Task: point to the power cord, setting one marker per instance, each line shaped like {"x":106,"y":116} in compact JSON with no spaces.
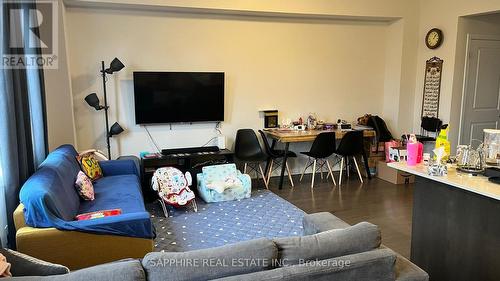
{"x":209,"y":141}
{"x":218,"y":126}
{"x":219,"y":132}
{"x":152,"y":139}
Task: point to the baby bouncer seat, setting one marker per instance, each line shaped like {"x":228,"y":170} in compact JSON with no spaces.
{"x":173,"y":188}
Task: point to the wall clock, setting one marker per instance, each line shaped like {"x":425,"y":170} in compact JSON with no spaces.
{"x":434,"y":38}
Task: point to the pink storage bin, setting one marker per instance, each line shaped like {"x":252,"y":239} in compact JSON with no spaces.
{"x":415,"y":153}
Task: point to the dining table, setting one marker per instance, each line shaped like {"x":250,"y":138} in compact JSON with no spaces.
{"x":287,"y":136}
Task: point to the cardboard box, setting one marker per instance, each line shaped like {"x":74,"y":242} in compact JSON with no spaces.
{"x":373,"y":160}
{"x":392,"y":175}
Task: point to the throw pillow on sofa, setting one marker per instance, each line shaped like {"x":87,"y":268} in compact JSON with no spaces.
{"x":90,"y":166}
{"x":84,"y":186}
{"x":24,"y":265}
{"x":207,"y":264}
{"x":333,"y":243}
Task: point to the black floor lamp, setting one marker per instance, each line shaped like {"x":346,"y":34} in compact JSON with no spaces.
{"x":92,"y":100}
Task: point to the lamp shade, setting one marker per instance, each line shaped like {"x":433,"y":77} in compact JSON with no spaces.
{"x":93,"y":101}
{"x":115,"y":66}
{"x":115,"y":129}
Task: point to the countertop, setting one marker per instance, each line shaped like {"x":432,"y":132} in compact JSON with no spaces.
{"x":477,"y":184}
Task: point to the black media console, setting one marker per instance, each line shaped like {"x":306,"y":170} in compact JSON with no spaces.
{"x":190,"y":159}
{"x":190,"y":150}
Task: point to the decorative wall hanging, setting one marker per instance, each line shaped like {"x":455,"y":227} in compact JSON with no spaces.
{"x":432,"y":87}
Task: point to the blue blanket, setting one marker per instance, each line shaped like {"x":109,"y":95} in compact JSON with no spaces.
{"x":51,"y":200}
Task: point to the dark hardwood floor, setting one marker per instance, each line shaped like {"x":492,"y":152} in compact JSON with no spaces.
{"x":387,"y":205}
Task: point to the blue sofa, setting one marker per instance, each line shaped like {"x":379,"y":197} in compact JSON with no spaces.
{"x":49,"y":200}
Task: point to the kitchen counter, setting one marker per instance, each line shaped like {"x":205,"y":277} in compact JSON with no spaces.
{"x":455,"y":225}
{"x":477,"y":184}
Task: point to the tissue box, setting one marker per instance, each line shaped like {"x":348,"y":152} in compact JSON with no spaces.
{"x":398,"y":154}
{"x":437,"y":169}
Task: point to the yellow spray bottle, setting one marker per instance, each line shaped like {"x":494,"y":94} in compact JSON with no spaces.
{"x":442,"y":141}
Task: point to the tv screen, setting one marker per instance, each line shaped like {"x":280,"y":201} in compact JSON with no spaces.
{"x":169,"y":97}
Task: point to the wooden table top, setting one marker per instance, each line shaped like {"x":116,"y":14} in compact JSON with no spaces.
{"x":285,"y":135}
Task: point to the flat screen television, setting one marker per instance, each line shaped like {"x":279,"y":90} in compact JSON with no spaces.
{"x":171,"y":97}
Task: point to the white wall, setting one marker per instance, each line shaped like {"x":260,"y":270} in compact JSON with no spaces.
{"x":445,"y":15}
{"x":392,"y":74}
{"x":60,"y":121}
{"x":400,"y":71}
{"x":358,"y":56}
{"x":403,"y":68}
{"x":333,"y":68}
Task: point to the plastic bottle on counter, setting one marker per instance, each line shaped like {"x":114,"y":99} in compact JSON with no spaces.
{"x":420,"y":155}
{"x":442,"y":141}
{"x":414,"y":150}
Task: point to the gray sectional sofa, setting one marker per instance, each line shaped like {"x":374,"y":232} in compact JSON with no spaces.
{"x":329,"y":250}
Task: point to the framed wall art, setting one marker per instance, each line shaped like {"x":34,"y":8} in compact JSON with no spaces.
{"x":432,"y":87}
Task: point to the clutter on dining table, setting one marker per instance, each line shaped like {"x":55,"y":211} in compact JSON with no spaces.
{"x":343,"y":125}
{"x":311,"y":121}
{"x":320,"y":124}
{"x":329,"y":126}
{"x":300,"y":127}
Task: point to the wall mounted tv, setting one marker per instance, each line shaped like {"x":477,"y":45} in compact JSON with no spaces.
{"x":171,"y":97}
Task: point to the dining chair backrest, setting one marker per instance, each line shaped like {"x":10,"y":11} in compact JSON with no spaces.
{"x":267,"y":146}
{"x":351,"y":144}
{"x":430,"y":125}
{"x":323,"y":145}
{"x":246,"y":144}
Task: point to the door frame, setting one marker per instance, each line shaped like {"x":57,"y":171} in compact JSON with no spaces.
{"x":470,"y":37}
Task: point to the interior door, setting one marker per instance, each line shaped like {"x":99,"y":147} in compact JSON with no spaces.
{"x":481,"y":106}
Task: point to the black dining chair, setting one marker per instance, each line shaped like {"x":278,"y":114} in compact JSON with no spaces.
{"x":322,"y":148}
{"x":247,"y":149}
{"x":351,"y":145}
{"x":273,"y":156}
{"x":429,"y":129}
